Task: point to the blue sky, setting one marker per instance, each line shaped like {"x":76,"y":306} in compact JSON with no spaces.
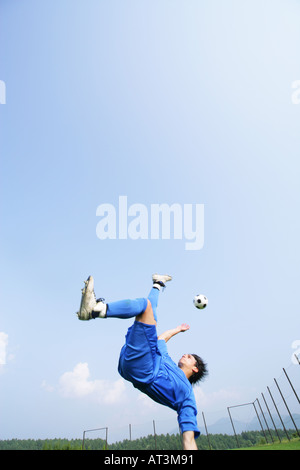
{"x":162,"y":102}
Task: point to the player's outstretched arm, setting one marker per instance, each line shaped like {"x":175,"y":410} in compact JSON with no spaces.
{"x":189,"y":443}
{"x":170,"y":333}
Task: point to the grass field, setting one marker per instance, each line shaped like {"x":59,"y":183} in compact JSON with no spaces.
{"x":294,"y":444}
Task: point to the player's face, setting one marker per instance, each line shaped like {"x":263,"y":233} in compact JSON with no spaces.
{"x":187,"y":360}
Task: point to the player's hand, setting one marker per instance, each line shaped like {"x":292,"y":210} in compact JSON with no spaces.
{"x":183,"y":327}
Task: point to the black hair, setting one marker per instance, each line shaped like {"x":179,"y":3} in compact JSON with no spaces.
{"x":202,"y":370}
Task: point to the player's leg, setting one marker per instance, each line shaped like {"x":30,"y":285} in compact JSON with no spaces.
{"x":147,"y":316}
{"x":124,"y":309}
{"x":144,"y":310}
{"x":150,"y":315}
{"x":92,"y":308}
{"x":138,"y":358}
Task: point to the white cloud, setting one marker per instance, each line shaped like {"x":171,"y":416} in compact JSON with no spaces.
{"x":77,"y":384}
{"x":146,"y":404}
{"x":3,"y":348}
{"x":217,"y":399}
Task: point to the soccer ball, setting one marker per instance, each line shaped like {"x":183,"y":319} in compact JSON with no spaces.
{"x":200,"y":301}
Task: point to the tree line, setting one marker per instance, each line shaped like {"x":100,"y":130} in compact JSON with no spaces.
{"x":151,"y":442}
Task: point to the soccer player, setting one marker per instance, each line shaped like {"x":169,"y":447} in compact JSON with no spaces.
{"x":144,"y":359}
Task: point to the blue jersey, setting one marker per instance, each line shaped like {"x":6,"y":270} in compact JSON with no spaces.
{"x":170,"y":387}
{"x":149,"y":367}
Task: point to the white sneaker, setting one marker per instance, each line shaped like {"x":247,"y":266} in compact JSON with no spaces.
{"x":159,"y":280}
{"x":89,"y":304}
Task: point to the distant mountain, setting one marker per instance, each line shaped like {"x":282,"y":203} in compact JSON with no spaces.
{"x":224,"y":426}
{"x":288,"y":423}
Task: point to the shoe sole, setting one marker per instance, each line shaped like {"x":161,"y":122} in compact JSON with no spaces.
{"x":161,"y":277}
{"x":88,"y":297}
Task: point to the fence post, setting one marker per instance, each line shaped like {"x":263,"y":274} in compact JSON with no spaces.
{"x":264,"y":419}
{"x":97,"y":429}
{"x":260,"y":422}
{"x":206,"y":431}
{"x":233,"y":427}
{"x":271,"y":417}
{"x":154,"y":434}
{"x":287,"y":407}
{"x":278,"y":414}
{"x":291,"y":384}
